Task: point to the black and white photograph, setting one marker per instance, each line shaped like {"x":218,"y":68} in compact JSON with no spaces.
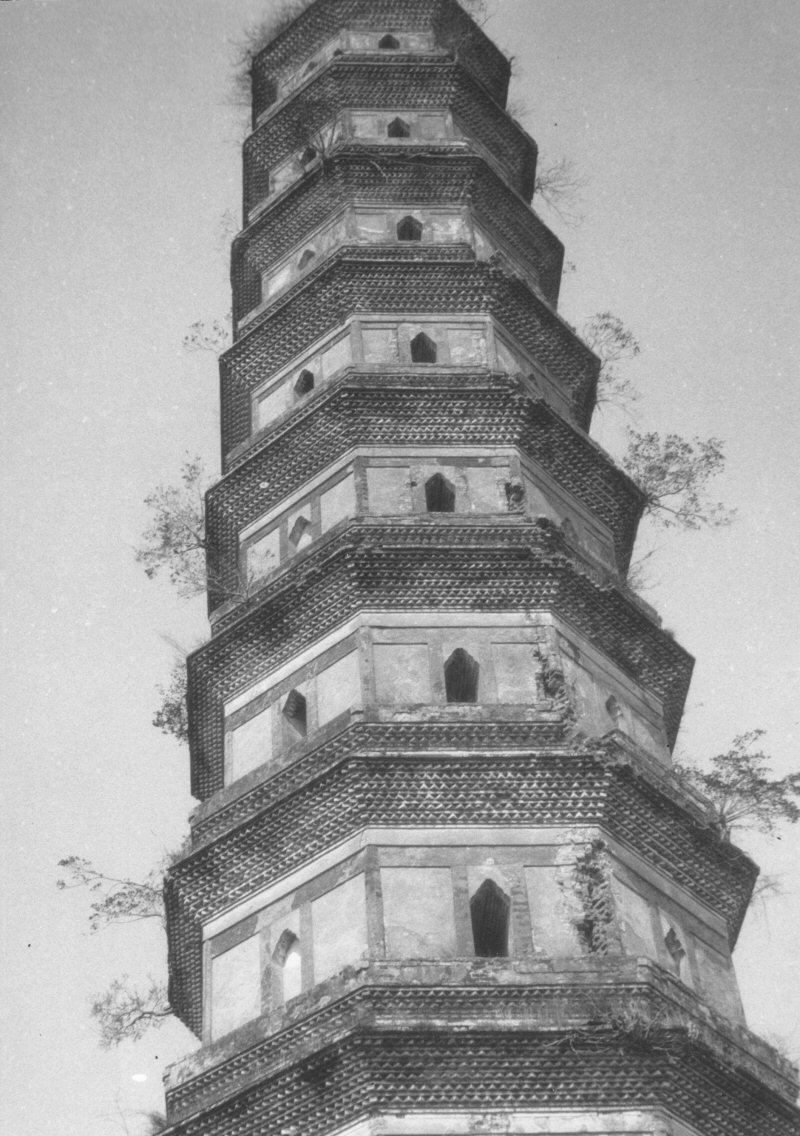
{"x":400,"y":557}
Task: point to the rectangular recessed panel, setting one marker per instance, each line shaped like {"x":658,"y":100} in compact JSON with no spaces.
{"x":401,"y":672}
{"x":418,"y":914}
{"x":339,"y":922}
{"x":236,"y":986}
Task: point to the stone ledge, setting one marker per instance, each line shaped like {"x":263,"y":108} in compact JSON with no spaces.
{"x":568,"y":1005}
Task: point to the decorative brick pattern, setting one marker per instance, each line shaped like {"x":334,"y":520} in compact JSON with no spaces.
{"x":487,"y":409}
{"x":453,"y":30}
{"x":382,"y":739}
{"x":533,"y":1031}
{"x":445,"y":568}
{"x":428,"y":1070}
{"x":383,"y":177}
{"x":550,"y":789}
{"x":567,"y":1003}
{"x":427,"y":83}
{"x":393,"y":284}
{"x":405,"y":410}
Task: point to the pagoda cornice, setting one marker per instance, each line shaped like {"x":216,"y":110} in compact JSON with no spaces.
{"x":575,"y":1001}
{"x":351,"y":173}
{"x":395,"y":284}
{"x":380,"y":566}
{"x":320,"y":25}
{"x":428,"y":83}
{"x":452,"y":408}
{"x":446,"y":1073}
{"x":362,"y":796}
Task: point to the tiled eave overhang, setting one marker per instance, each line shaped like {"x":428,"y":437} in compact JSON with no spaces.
{"x":397,"y":284}
{"x":426,"y":83}
{"x":320,"y":22}
{"x":582,"y":998}
{"x":378,"y":176}
{"x":449,"y":409}
{"x":369,"y":790}
{"x":579,"y":1062}
{"x":426,"y":567}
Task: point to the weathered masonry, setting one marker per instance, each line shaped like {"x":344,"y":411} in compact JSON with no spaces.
{"x":441,"y":878}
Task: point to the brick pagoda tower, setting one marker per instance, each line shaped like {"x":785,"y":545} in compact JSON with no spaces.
{"x":441,"y":879}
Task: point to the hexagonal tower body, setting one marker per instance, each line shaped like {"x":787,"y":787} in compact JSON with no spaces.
{"x":441,"y":878}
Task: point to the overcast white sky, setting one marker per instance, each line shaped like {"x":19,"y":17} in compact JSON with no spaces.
{"x":121,"y":157}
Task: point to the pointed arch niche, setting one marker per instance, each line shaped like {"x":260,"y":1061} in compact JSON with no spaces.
{"x":490,"y":909}
{"x":461,"y":674}
{"x":287,"y":968}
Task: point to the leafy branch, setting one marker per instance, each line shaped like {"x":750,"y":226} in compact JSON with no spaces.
{"x":674,"y":473}
{"x":213,"y":336}
{"x":125,"y":1010}
{"x":171,"y":717}
{"x":613,"y":343}
{"x":255,"y":39}
{"x":175,"y":539}
{"x":115,"y":899}
{"x":740,"y":784}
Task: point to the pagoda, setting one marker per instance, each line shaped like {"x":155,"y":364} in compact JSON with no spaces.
{"x":441,"y":878}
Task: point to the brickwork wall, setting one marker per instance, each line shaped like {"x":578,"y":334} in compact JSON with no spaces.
{"x":452,"y":28}
{"x":372,"y":1074}
{"x":540,"y":790}
{"x":440,"y":179}
{"x":494,"y":569}
{"x":607,"y":989}
{"x":403,"y":284}
{"x":414,"y":410}
{"x":441,"y":863}
{"x":392,"y":86}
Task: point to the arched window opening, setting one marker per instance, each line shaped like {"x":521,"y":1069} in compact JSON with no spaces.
{"x":489,"y":909}
{"x":409,"y":229}
{"x":568,"y":529}
{"x":398,"y":128}
{"x":440,"y":495}
{"x":461,"y":673}
{"x":675,"y":950}
{"x":614,"y":711}
{"x":300,"y":534}
{"x":288,"y":963}
{"x":295,"y":712}
{"x":306,"y":259}
{"x":389,"y":43}
{"x":423,"y":349}
{"x":304,"y":384}
{"x":308,"y":156}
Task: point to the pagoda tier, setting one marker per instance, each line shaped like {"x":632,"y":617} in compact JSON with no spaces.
{"x":467,"y":201}
{"x":442,"y":878}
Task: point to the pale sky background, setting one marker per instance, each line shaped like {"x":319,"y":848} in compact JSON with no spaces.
{"x":120,"y":158}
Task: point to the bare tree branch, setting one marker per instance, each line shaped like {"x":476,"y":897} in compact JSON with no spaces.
{"x":559,"y":186}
